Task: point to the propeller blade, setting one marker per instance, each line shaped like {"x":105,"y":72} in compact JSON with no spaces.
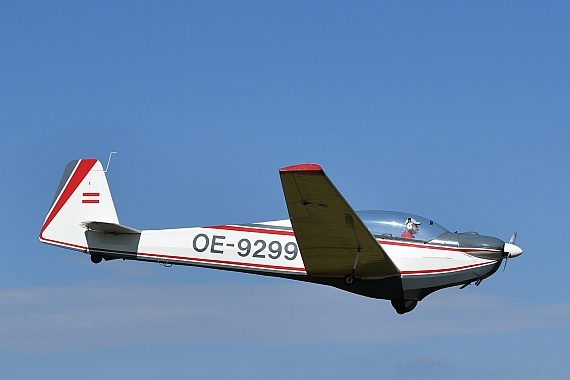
{"x":513,"y":238}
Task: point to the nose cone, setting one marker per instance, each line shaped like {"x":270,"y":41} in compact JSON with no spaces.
{"x":512,"y":250}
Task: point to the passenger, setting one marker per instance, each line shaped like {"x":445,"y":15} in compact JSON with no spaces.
{"x":411,"y":228}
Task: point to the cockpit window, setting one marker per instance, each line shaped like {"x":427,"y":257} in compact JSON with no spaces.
{"x":400,"y":225}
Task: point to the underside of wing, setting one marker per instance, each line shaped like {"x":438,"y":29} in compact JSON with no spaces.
{"x":328,"y":231}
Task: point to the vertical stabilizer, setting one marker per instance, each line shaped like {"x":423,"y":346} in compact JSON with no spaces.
{"x":83,"y":196}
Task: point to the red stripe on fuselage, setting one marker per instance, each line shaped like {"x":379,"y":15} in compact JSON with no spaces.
{"x":180,"y":258}
{"x":438,"y":247}
{"x":432,"y":271}
{"x":253,"y":229}
{"x":264,"y":230}
{"x":233,"y":263}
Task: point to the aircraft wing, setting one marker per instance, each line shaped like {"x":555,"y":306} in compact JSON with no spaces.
{"x":328,"y":231}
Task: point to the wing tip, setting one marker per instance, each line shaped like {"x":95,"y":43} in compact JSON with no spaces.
{"x":301,"y":168}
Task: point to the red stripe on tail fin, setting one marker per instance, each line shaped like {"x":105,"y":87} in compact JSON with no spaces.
{"x":77,"y":177}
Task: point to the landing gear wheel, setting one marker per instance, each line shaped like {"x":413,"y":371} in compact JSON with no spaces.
{"x":349,"y":279}
{"x":96,"y":259}
{"x":404,"y":306}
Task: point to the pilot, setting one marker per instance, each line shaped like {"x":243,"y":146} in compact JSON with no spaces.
{"x":411,"y":228}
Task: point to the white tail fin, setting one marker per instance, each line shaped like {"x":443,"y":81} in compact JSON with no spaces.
{"x":83,"y":196}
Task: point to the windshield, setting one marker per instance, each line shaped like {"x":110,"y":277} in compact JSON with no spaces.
{"x":400,"y":225}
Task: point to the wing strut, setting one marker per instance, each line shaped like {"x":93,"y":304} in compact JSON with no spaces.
{"x":349,"y":278}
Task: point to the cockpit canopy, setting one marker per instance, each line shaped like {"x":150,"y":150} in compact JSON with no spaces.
{"x":391,"y":224}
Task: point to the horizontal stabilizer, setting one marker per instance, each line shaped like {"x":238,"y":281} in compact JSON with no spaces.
{"x":109,"y":228}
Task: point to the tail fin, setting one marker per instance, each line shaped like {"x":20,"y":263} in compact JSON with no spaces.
{"x":83,"y":196}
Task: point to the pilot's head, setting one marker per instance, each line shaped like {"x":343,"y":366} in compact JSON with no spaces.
{"x":412,"y":225}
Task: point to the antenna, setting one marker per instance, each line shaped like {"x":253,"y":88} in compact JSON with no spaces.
{"x":109,"y":161}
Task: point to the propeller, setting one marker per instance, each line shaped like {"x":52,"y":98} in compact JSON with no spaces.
{"x":511,"y":250}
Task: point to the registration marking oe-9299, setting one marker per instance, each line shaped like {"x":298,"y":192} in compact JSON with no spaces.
{"x":257,"y":247}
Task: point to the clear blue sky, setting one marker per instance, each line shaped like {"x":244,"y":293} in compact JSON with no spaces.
{"x":457,"y":111}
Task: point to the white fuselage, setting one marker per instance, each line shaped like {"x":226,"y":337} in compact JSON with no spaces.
{"x":271,"y":249}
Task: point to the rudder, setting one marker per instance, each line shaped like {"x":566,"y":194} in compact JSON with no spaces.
{"x":83,"y":196}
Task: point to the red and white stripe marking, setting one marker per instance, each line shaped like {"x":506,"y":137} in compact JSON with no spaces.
{"x":90,"y":198}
